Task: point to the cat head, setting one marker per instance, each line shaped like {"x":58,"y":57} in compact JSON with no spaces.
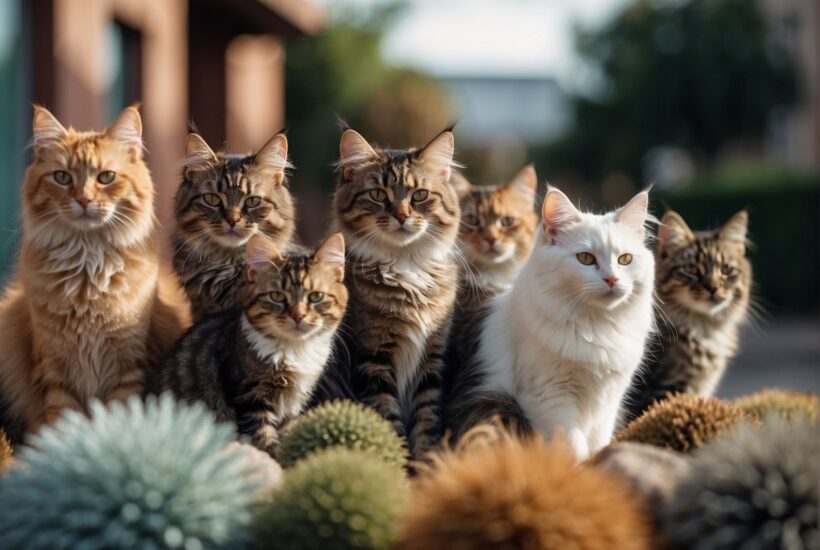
{"x":498,"y":223}
{"x":295,"y":296}
{"x":594,"y":260}
{"x":88,"y":182}
{"x":387,"y":201}
{"x":226,"y":199}
{"x":704,"y":272}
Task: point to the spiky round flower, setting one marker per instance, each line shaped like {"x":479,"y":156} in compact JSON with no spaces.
{"x":132,"y":476}
{"x":344,"y":423}
{"x":683,"y":421}
{"x":521,"y":494}
{"x":337,"y":498}
{"x":755,"y":488}
{"x":780,"y":403}
{"x":6,"y":451}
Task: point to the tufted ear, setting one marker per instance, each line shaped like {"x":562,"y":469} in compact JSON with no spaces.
{"x":198,"y":155}
{"x":735,"y":229}
{"x":353,"y":151}
{"x":633,"y":213}
{"x":46,"y":129}
{"x":261,"y":255}
{"x":524,"y":183}
{"x":332,"y":254}
{"x":274,"y":155}
{"x":673,"y":233}
{"x":557,"y":214}
{"x":438,"y":154}
{"x":127,"y":129}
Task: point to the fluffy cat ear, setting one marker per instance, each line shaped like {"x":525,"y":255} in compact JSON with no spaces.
{"x":353,"y":151}
{"x":261,"y":254}
{"x":274,"y":155}
{"x":127,"y":128}
{"x":557,"y":213}
{"x":633,"y":213}
{"x":673,"y":232}
{"x":524,"y":183}
{"x":46,"y":129}
{"x":735,"y":229}
{"x":461,"y":184}
{"x":438,"y":154}
{"x":198,"y":156}
{"x":332,"y":254}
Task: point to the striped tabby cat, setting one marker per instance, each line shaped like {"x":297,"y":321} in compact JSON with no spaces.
{"x":257,"y":365}
{"x":704,"y":282}
{"x":496,"y":235}
{"x":222,"y":202}
{"x":399,"y":214}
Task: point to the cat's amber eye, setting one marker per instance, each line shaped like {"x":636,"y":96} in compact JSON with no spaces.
{"x":62,"y":177}
{"x":585,"y":258}
{"x":727,"y":270}
{"x":420,"y":195}
{"x":278,"y":297}
{"x":469,"y":219}
{"x":106,"y":177}
{"x":316,"y":297}
{"x":252,"y":202}
{"x":377,"y":195}
{"x":507,"y":221}
{"x":625,"y":259}
{"x":211,"y":199}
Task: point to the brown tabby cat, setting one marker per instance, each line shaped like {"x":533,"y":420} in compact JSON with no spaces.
{"x":81,"y":315}
{"x":399,"y":214}
{"x":496,"y":236}
{"x":704,"y":282}
{"x":257,"y":364}
{"x":222,"y":202}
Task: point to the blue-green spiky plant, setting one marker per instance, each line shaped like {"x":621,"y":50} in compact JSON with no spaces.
{"x":754,"y":488}
{"x":132,"y":476}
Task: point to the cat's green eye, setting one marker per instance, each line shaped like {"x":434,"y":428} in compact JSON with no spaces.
{"x":585,"y":258}
{"x":625,"y":259}
{"x":316,"y":297}
{"x":252,"y":202}
{"x":278,"y":297}
{"x":211,"y":199}
{"x":377,"y":195}
{"x":62,"y":177}
{"x":469,"y":219}
{"x":420,"y":195}
{"x":106,"y":177}
{"x":507,"y":221}
{"x":691,"y":269}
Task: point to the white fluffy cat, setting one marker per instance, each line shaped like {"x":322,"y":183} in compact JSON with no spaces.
{"x":567,"y":338}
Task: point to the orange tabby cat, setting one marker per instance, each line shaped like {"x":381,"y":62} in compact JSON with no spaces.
{"x":81,"y":318}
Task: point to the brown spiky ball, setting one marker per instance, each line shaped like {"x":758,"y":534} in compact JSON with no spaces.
{"x":6,"y":451}
{"x":683,"y":422}
{"x":516,"y":494}
{"x":787,"y":405}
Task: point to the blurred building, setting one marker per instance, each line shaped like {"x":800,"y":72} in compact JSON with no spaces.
{"x":218,"y":63}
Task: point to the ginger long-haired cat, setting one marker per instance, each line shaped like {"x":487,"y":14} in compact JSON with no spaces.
{"x":81,"y":317}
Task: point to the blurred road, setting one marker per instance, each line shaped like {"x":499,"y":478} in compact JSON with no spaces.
{"x":780,"y":353}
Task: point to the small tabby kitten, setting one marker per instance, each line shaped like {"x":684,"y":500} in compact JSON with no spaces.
{"x":399,"y":214}
{"x":257,"y":365}
{"x":704,"y":282}
{"x":222,"y":202}
{"x":495,"y":236}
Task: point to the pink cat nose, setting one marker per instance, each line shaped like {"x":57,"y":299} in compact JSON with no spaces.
{"x":490,"y":240}
{"x":297,"y":316}
{"x":83,"y":201}
{"x":400,"y":216}
{"x":611,"y":280}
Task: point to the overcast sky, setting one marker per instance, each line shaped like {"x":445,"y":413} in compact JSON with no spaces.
{"x":491,"y":37}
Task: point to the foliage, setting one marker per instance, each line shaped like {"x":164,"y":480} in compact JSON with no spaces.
{"x":752,"y":489}
{"x":133,"y":475}
{"x":335,"y":499}
{"x":780,"y":404}
{"x":683,"y":422}
{"x":346,"y":424}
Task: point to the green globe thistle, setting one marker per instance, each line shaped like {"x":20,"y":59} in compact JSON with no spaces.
{"x":335,"y":499}
{"x":133,"y":475}
{"x":755,"y":488}
{"x":344,"y":423}
{"x":683,"y":422}
{"x":785,"y":404}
